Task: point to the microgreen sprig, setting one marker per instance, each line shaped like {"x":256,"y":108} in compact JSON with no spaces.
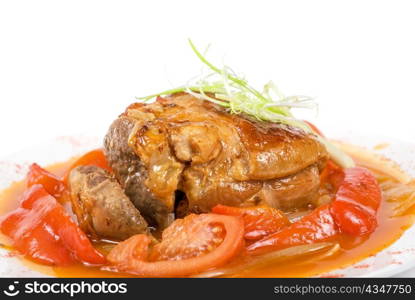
{"x":225,"y":88}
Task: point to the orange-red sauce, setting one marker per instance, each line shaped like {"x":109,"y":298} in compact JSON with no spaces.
{"x":352,"y":249}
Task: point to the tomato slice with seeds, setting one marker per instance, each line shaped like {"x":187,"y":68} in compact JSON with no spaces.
{"x":187,"y":238}
{"x":259,"y":221}
{"x":189,"y":246}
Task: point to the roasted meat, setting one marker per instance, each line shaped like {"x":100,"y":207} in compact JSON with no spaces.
{"x":101,"y":206}
{"x":181,"y":154}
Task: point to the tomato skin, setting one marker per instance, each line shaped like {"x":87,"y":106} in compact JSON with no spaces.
{"x":318,"y":226}
{"x":41,"y":230}
{"x":131,"y":255}
{"x":259,"y":221}
{"x":357,"y":201}
{"x":52,"y":184}
{"x":92,"y":158}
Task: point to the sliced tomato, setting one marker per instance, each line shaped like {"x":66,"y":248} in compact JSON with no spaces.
{"x":41,"y":230}
{"x":318,"y":226}
{"x":92,"y":158}
{"x":259,"y":221}
{"x":189,"y":246}
{"x":52,"y":184}
{"x":357,"y":201}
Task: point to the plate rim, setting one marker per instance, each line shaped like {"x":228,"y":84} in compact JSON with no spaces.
{"x":76,"y":144}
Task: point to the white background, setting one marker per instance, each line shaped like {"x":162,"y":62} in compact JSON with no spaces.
{"x":70,"y":67}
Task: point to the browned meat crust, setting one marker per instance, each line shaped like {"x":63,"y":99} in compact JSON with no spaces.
{"x":101,"y":206}
{"x":181,"y":143}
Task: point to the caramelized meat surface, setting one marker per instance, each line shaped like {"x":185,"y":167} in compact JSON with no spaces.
{"x":181,"y":145}
{"x":101,"y":206}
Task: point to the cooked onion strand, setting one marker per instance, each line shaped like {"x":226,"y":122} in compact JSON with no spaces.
{"x":267,"y":259}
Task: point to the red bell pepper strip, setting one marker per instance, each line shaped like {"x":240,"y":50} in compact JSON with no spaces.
{"x":41,"y":230}
{"x":259,"y":221}
{"x":52,"y":184}
{"x":357,"y":201}
{"x":318,"y":226}
{"x":352,"y":212}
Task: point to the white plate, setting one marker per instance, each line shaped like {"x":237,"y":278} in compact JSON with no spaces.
{"x":397,"y":258}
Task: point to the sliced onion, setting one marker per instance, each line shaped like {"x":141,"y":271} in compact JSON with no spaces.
{"x":267,"y":259}
{"x":337,"y":154}
{"x":403,"y":207}
{"x":374,"y":161}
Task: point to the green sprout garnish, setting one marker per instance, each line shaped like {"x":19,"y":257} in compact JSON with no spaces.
{"x":225,"y":88}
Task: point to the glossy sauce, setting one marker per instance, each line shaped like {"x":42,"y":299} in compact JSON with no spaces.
{"x":352,"y":249}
